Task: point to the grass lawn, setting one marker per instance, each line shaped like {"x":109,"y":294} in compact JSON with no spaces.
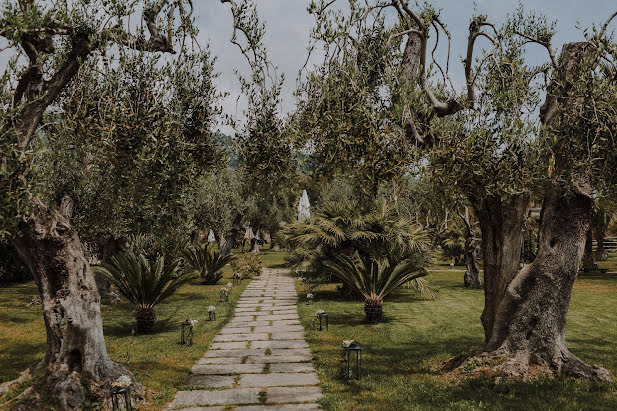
{"x":402,"y":355}
{"x":157,"y":361}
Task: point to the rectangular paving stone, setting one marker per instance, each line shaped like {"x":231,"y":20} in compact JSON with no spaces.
{"x":292,"y":394}
{"x":229,"y":345}
{"x":216,"y":397}
{"x":277,"y":379}
{"x":274,"y":359}
{"x":296,"y":335}
{"x":235,"y":330}
{"x":279,"y":344}
{"x":220,"y":360}
{"x":287,"y":322}
{"x":241,"y":337}
{"x":210,"y":381}
{"x":258,"y":323}
{"x":290,"y":351}
{"x":292,"y":367}
{"x":277,"y":317}
{"x":234,"y":353}
{"x":222,"y":369}
{"x":214,"y":408}
{"x":279,"y":329}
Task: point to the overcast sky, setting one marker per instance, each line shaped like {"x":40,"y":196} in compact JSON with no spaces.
{"x":288,"y":26}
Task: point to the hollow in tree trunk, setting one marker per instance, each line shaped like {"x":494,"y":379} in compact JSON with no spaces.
{"x":472,"y":274}
{"x":75,"y":348}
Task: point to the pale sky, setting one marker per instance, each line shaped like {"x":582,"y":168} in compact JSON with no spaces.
{"x":288,"y":25}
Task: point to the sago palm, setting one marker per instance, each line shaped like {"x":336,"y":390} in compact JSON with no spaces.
{"x":207,"y":262}
{"x":374,"y":278}
{"x":145,"y":282}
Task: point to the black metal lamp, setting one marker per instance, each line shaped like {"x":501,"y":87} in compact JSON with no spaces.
{"x":186,"y":336}
{"x":351,"y":353}
{"x":121,"y":395}
{"x":323,"y":316}
{"x":212,"y":313}
{"x":224,"y":295}
{"x":236,"y":279}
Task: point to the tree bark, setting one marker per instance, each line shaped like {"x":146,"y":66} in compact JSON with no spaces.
{"x":530,"y":323}
{"x":75,"y":346}
{"x":588,"y":261}
{"x":501,"y":222}
{"x":472,"y":274}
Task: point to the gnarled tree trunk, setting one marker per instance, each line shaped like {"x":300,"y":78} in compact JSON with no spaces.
{"x":75,"y":346}
{"x":501,"y":222}
{"x":530,"y":323}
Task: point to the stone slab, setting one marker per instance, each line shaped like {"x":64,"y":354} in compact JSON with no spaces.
{"x":292,"y":367}
{"x":290,"y":351}
{"x":235,"y":345}
{"x":277,"y":317}
{"x":297,"y":335}
{"x":220,"y":360}
{"x":241,"y":337}
{"x":292,"y":394}
{"x":210,"y":381}
{"x":273,"y":359}
{"x":279,"y":344}
{"x":277,"y":379}
{"x":234,"y":353}
{"x":222,"y":369}
{"x":279,"y":329}
{"x":216,"y":397}
{"x":235,"y":330}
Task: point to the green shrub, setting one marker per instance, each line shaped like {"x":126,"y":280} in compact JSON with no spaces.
{"x":247,"y":265}
{"x":207,"y":262}
{"x":12,"y":268}
{"x":145,"y":282}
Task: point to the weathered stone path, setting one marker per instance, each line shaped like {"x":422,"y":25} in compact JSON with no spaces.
{"x":260,"y":360}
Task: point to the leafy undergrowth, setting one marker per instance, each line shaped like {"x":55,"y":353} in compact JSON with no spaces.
{"x":158,"y":361}
{"x":402,"y":356}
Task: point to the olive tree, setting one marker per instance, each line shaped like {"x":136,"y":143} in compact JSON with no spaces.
{"x":51,"y":42}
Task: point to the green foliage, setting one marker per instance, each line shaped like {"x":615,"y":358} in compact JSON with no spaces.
{"x":143,"y":281}
{"x":375,"y":278}
{"x":248,"y":265}
{"x":372,"y":230}
{"x":206,"y":261}
{"x":12,"y":268}
{"x":131,"y":142}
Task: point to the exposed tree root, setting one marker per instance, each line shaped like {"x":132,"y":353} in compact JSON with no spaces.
{"x":522,"y":366}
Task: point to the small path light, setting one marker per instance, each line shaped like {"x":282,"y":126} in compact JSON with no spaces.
{"x":352,"y":349}
{"x":309,"y":298}
{"x":323,"y":317}
{"x":121,"y":393}
{"x":237,"y":279}
{"x":230,"y":287}
{"x":212,"y":313}
{"x":224,"y":295}
{"x":186,"y":337}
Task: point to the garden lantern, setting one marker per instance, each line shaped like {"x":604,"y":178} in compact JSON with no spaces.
{"x":121,"y":395}
{"x":309,"y":298}
{"x":229,"y":286}
{"x":186,"y":337}
{"x":323,"y":317}
{"x":224,"y":295}
{"x":352,"y":354}
{"x":236,"y":279}
{"x":212,"y":313}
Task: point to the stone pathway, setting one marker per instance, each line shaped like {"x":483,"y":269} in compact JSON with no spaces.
{"x":260,"y":360}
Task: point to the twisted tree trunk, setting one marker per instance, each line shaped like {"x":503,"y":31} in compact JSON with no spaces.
{"x":529,"y":328}
{"x":75,"y":346}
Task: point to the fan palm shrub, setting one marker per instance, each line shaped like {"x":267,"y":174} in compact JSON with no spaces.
{"x":145,"y":282}
{"x":375,"y":277}
{"x":207,"y":261}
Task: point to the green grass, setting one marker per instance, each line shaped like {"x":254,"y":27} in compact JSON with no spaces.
{"x":157,"y":361}
{"x":403,"y":354}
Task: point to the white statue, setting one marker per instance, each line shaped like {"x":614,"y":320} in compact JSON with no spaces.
{"x":304,"y":207}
